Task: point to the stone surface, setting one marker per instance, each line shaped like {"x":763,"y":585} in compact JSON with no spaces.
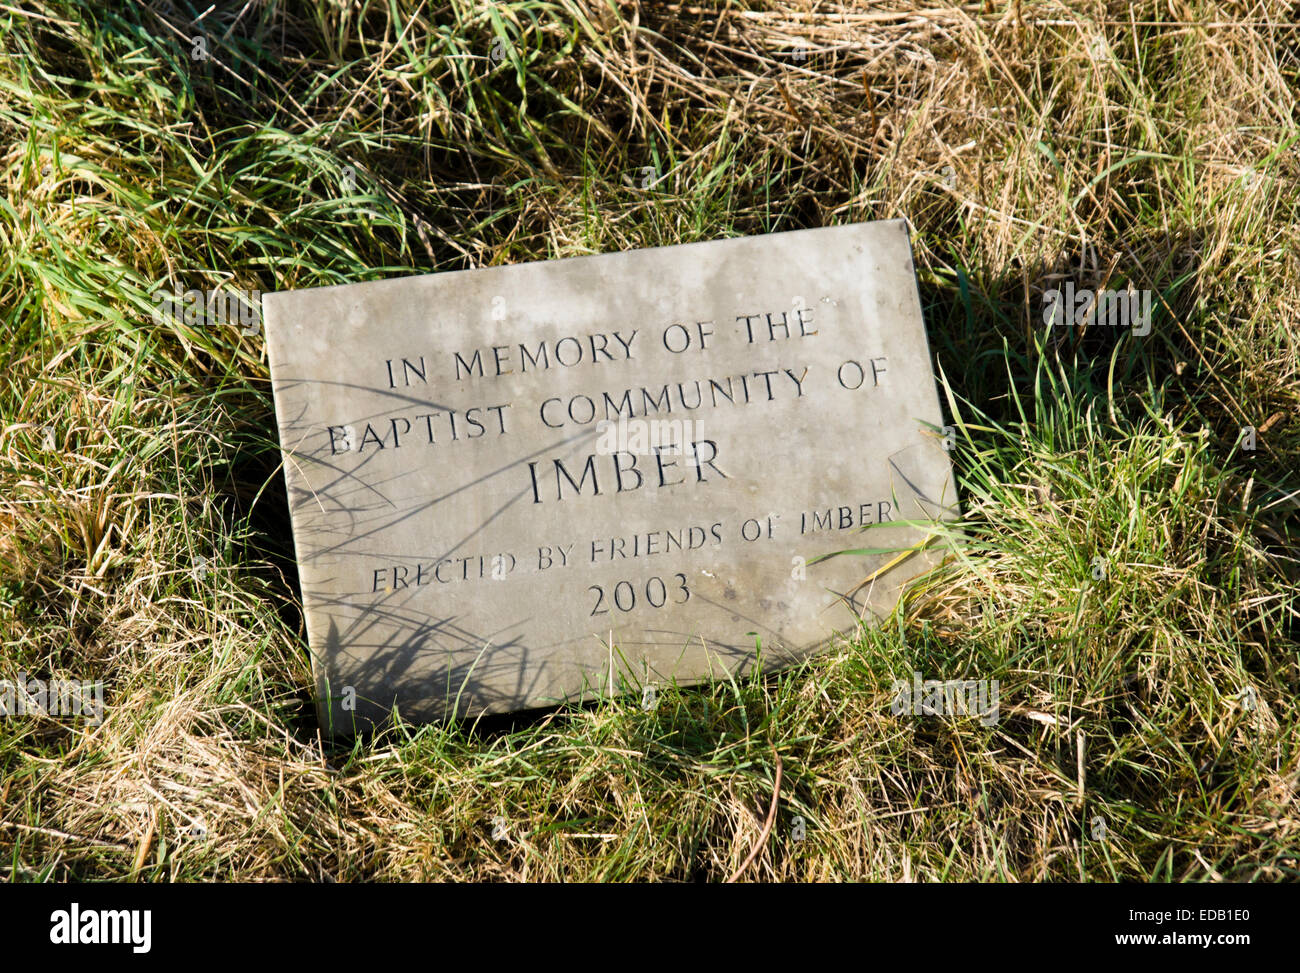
{"x":477,"y":531}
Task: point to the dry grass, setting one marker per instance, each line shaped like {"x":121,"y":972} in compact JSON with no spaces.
{"x":1150,"y":144}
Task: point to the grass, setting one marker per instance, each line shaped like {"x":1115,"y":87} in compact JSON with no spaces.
{"x":1126,"y":568}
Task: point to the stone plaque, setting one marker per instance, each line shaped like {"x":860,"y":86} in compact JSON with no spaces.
{"x":519,"y":485}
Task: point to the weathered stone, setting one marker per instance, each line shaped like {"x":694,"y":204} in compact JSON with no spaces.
{"x":490,"y":516}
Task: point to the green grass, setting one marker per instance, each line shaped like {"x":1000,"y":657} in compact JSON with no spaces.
{"x":1125,"y":568}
